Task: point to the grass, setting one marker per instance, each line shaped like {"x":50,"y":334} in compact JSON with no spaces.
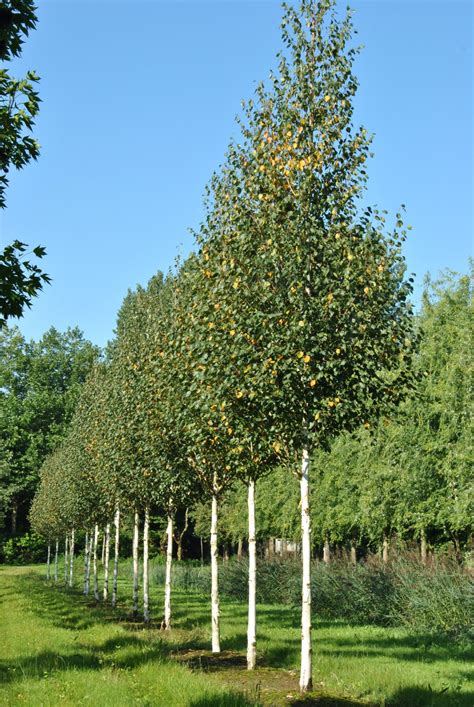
{"x":59,"y":648}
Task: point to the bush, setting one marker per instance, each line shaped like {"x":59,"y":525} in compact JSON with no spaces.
{"x":437,"y":599}
{"x":24,"y":550}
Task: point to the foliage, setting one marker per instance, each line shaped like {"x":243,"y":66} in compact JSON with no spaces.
{"x":20,"y":278}
{"x":24,"y":550}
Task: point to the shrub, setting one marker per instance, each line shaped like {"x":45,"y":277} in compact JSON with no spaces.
{"x":24,"y":550}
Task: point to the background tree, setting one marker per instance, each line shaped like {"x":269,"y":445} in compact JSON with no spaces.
{"x":20,"y":278}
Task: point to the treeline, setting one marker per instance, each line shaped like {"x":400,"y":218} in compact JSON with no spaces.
{"x":288,"y":327}
{"x":40,"y":383}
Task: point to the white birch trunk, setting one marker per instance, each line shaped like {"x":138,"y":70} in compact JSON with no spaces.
{"x":166,"y":624}
{"x":135,"y":564}
{"x":326,"y":552}
{"x":48,"y":564}
{"x":94,"y":562}
{"x":423,"y":546}
{"x":65,"y":559}
{"x":146,"y":596}
{"x":216,"y":646}
{"x":85,"y":591}
{"x":71,"y":559}
{"x":56,"y":557}
{"x":306,"y":678}
{"x":385,"y":547}
{"x":252,"y":615}
{"x":102,"y":557}
{"x":116,"y":556}
{"x":106,"y":561}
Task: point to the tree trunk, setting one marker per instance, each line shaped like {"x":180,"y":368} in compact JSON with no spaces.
{"x":326,"y":551}
{"x":56,"y":556}
{"x":306,"y":678}
{"x":166,"y":623}
{"x":48,"y":564}
{"x":385,"y":547}
{"x":135,"y":564}
{"x":86,"y":565}
{"x":179,"y":539}
{"x":102,"y":557}
{"x":252,"y":613}
{"x":116,"y":556}
{"x":216,"y":646}
{"x":239,"y":549}
{"x":94,"y":559}
{"x":202,"y":551}
{"x":106,"y":561}
{"x":225,"y":552}
{"x":423,"y":546}
{"x":14,"y":516}
{"x":271,"y":548}
{"x":65,"y":559}
{"x":71,"y":559}
{"x":146,"y":589}
{"x":353,"y":552}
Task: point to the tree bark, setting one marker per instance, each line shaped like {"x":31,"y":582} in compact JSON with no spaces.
{"x":166,"y":623}
{"x":102,"y":557}
{"x":179,"y":539}
{"x":116,"y":556}
{"x":385,"y":548}
{"x":135,"y":564}
{"x":48,"y":564}
{"x":252,"y":612}
{"x":106,"y":561}
{"x":146,"y":588}
{"x":353,"y":552}
{"x":423,"y":546}
{"x":86,"y":565}
{"x":94,"y":559}
{"x":65,"y":559}
{"x":202,"y":551}
{"x":71,"y":559}
{"x":271,"y":548}
{"x":56,"y":556}
{"x":306,"y":678}
{"x":239,"y":549}
{"x":14,"y":516}
{"x":326,"y":551}
{"x":215,"y":614}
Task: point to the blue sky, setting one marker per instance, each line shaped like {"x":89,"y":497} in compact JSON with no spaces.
{"x":139,"y":100}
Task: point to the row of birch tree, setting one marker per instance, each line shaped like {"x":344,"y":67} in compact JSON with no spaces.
{"x":288,"y":325}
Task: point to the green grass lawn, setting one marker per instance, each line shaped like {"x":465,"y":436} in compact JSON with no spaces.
{"x":59,"y":648}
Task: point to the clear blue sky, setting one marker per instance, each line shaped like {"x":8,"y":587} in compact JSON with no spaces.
{"x":139,"y":100}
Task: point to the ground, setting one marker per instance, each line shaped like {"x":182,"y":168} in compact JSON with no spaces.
{"x":59,"y":648}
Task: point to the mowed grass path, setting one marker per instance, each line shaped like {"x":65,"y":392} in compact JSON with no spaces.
{"x":59,"y":648}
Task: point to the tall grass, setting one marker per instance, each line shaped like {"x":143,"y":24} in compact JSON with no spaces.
{"x":435,"y":600}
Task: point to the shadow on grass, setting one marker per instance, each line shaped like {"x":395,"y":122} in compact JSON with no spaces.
{"x":68,"y":608}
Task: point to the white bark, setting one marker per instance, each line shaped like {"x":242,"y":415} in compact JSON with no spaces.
{"x":252,"y":615}
{"x":71,"y":559}
{"x":146,"y":594}
{"x":385,"y":548}
{"x":56,"y":556}
{"x":326,"y":552}
{"x":166,"y":624}
{"x":215,"y":614}
{"x":65,"y":559}
{"x":116,"y":556}
{"x":94,"y":562}
{"x":106,"y":561}
{"x":306,"y":679}
{"x":353,"y":552}
{"x":48,"y":564}
{"x":135,"y":564}
{"x":423,"y":546}
{"x":86,"y":564}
